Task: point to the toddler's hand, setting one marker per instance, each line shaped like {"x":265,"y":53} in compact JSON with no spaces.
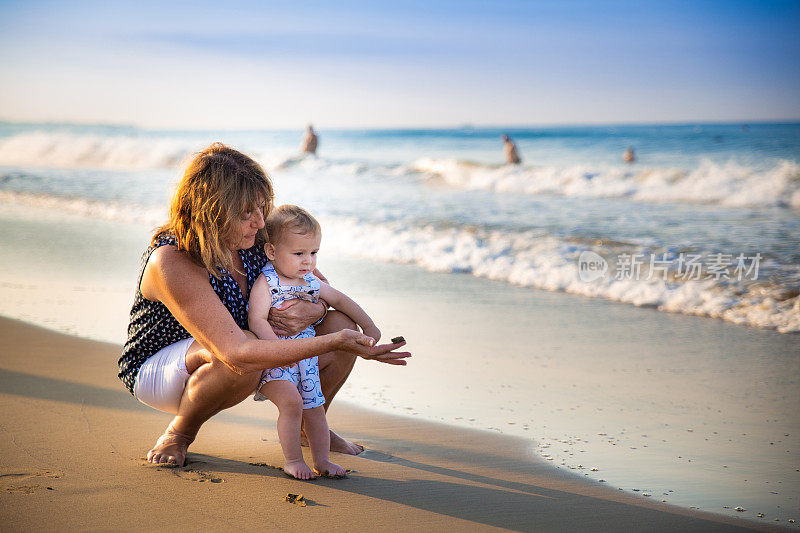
{"x":373,"y":332}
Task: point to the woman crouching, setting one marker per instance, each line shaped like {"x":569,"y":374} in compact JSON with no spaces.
{"x":188,"y":351}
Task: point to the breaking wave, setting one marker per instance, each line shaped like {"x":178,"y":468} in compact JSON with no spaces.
{"x":729,"y":184}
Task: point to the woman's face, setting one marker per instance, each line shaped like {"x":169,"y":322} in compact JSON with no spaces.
{"x":247,"y":228}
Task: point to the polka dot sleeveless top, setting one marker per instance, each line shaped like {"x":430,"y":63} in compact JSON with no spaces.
{"x":152,"y":327}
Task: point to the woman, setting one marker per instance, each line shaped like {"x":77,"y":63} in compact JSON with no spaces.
{"x":188,"y":352}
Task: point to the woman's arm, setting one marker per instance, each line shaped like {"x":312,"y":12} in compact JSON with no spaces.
{"x":341,"y":302}
{"x":182,"y":286}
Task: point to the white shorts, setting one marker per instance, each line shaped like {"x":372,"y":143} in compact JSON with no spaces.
{"x":162,"y":378}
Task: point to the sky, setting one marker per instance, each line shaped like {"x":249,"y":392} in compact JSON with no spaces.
{"x":265,"y":65}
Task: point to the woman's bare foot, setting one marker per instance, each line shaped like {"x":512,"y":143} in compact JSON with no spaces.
{"x":299,"y":470}
{"x":170,"y":448}
{"x":329,"y":469}
{"x":338,"y":444}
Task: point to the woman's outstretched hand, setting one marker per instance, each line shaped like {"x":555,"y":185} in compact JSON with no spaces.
{"x":365,"y":347}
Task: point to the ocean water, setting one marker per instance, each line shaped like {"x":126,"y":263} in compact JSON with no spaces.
{"x":467,"y":258}
{"x":706,"y":222}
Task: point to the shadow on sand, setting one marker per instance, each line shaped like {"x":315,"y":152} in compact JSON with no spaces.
{"x":460,"y":494}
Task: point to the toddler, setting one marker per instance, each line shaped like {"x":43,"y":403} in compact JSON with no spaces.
{"x":294,"y":239}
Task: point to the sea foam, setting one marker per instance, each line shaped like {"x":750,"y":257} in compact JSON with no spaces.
{"x":550,"y":263}
{"x":730,"y":184}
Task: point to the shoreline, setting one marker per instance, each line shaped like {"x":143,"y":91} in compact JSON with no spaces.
{"x":71,"y":429}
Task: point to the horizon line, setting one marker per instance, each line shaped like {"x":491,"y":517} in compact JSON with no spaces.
{"x":462,"y":126}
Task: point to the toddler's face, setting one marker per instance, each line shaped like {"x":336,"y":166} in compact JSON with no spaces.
{"x":295,"y":254}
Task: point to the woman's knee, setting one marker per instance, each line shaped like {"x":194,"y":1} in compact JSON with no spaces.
{"x":197,"y":356}
{"x":335,"y":321}
{"x":215,"y":380}
{"x":336,"y":364}
{"x":233,"y":378}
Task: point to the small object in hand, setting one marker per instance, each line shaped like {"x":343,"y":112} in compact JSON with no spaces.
{"x":398,"y":339}
{"x":296,"y":499}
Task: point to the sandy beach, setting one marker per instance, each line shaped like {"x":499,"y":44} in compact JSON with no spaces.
{"x":73,"y":443}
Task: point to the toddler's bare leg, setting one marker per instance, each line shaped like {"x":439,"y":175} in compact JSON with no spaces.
{"x":319,"y":439}
{"x":290,"y":412}
{"x":334,"y":368}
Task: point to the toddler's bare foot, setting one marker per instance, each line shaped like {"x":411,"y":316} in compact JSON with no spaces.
{"x":170,"y":448}
{"x":299,"y":470}
{"x":329,"y":469}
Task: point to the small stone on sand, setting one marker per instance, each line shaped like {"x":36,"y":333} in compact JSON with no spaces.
{"x":296,"y":499}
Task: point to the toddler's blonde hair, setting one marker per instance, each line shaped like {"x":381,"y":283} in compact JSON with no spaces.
{"x":289,"y":217}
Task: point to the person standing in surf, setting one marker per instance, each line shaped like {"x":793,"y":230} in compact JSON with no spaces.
{"x":510,"y":150}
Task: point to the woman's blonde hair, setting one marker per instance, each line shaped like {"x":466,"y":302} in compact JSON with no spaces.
{"x":289,"y":217}
{"x":218,"y":188}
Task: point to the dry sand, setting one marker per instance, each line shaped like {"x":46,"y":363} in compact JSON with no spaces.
{"x":73,"y":442}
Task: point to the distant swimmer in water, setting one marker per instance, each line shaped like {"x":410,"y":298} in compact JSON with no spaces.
{"x":310,"y":140}
{"x":510,"y":149}
{"x":629,"y":156}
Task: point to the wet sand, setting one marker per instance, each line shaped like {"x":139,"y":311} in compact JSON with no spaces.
{"x":73,"y":442}
{"x":696,"y":411}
